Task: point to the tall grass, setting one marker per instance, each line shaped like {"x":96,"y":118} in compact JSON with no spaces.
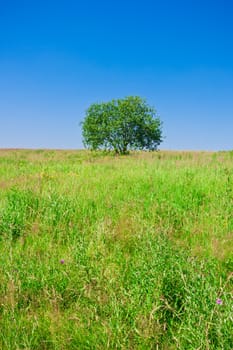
{"x":104,"y":252}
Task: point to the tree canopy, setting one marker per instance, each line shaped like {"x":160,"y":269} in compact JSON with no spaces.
{"x":122,"y":125}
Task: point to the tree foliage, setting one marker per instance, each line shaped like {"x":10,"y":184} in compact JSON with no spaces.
{"x":122,"y":125}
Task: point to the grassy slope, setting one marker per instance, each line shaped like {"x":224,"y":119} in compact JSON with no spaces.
{"x":146,"y":242}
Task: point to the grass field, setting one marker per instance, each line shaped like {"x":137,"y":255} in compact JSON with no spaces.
{"x":105,"y":252}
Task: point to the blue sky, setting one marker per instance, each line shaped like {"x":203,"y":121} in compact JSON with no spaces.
{"x":57,"y":57}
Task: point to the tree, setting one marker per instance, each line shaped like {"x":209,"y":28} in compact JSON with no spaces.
{"x":122,"y":125}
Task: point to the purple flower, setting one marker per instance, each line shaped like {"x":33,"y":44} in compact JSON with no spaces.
{"x":219,"y":301}
{"x":62,"y":261}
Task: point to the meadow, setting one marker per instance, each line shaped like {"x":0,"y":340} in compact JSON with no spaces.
{"x":116,"y":252}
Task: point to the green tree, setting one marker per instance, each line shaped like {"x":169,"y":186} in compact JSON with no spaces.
{"x":122,"y":125}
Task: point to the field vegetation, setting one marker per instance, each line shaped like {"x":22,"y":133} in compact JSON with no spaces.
{"x":99,"y":251}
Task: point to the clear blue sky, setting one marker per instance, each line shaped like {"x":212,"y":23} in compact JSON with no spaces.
{"x":57,"y":57}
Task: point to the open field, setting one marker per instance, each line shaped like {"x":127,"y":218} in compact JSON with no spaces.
{"x":105,"y":252}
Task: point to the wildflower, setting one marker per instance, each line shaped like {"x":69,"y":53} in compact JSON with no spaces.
{"x":219,"y":301}
{"x":62,"y":261}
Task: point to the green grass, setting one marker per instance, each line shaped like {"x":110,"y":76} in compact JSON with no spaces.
{"x":146,"y":240}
